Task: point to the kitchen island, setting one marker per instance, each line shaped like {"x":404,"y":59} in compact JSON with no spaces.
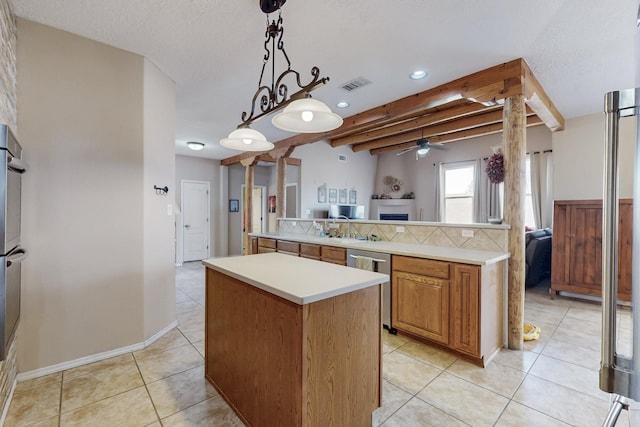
{"x":294,"y":342}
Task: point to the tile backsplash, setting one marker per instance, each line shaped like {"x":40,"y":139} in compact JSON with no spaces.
{"x":470,"y":236}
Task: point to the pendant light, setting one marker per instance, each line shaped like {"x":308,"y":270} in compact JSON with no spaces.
{"x":246,"y":139}
{"x":307,"y":115}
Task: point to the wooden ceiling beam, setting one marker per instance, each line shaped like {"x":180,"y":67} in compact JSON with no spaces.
{"x":418,"y":123}
{"x":537,"y":99}
{"x":429,"y":131}
{"x":458,"y":136}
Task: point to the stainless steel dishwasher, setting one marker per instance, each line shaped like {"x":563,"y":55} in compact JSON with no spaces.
{"x":381,"y":263}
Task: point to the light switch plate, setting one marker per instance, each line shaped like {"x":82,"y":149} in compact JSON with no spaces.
{"x":467,"y":233}
{"x":399,"y":229}
{"x":169,"y":210}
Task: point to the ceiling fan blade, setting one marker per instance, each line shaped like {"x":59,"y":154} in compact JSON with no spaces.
{"x":438,"y":146}
{"x":406,"y":150}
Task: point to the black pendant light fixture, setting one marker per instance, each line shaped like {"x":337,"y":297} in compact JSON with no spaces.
{"x":297,"y":112}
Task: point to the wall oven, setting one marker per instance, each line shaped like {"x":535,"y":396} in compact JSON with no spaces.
{"x":11,"y":251}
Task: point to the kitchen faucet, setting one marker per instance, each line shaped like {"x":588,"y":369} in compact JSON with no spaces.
{"x":348,"y":224}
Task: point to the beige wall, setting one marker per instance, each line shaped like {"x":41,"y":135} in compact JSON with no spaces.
{"x":578,"y":158}
{"x":86,"y":201}
{"x":7,"y":116}
{"x":159,"y":169}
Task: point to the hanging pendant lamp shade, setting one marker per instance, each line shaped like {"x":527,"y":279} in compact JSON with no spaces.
{"x":307,"y":115}
{"x":246,"y":139}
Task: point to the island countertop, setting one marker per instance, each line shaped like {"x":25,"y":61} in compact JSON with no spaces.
{"x":441,"y":253}
{"x":299,"y":280}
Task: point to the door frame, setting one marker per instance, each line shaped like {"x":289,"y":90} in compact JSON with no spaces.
{"x":182,"y":216}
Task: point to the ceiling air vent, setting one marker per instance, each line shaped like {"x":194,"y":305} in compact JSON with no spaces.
{"x":355,"y":84}
{"x":342,"y":158}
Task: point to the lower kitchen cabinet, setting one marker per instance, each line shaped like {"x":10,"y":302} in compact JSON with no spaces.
{"x":420,"y":302}
{"x":465,"y":308}
{"x":459,"y":306}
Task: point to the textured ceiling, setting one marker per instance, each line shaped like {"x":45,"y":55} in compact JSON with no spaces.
{"x":578,"y":49}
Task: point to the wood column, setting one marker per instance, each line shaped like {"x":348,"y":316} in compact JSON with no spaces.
{"x":247,"y":210}
{"x":281,"y":190}
{"x":514,"y":150}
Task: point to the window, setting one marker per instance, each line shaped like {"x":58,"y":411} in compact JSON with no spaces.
{"x":529,"y":219}
{"x":457,"y":195}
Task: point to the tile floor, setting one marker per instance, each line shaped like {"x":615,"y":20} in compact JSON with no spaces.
{"x":554,"y":382}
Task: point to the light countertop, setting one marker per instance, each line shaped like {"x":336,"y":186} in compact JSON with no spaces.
{"x":298,"y":280}
{"x":441,"y":253}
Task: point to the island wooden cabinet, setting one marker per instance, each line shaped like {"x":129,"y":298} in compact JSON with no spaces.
{"x":576,"y":257}
{"x":456,"y":305}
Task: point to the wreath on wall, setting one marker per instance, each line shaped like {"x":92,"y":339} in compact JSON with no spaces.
{"x":495,"y":167}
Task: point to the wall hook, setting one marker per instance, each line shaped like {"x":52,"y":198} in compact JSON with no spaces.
{"x":161,"y":191}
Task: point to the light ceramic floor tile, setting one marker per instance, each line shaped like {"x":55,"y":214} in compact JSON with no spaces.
{"x":49,"y":422}
{"x":170,"y":340}
{"x":585,"y":326}
{"x":429,"y":354}
{"x":497,"y":378}
{"x":577,"y":338}
{"x":211,"y":412}
{"x":177,"y":392}
{"x":419,"y":413}
{"x":186,"y":306}
{"x":588,"y":313}
{"x":81,"y":390}
{"x":393,"y":341}
{"x":533,"y":315}
{"x":569,"y":375}
{"x":562,"y":403}
{"x":106,"y":364}
{"x":199,"y":345}
{"x":132,"y":408}
{"x":546,"y":332}
{"x":35,"y":400}
{"x":190,"y":318}
{"x":465,"y":401}
{"x":182,"y":297}
{"x":560,"y":349}
{"x":392,"y":399}
{"x":407,"y":373}
{"x":193,"y":333}
{"x":521,"y":360}
{"x":170,"y":362}
{"x":517,"y":415}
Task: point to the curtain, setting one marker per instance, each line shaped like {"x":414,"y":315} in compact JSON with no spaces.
{"x":486,"y":198}
{"x":541,"y":176}
{"x":438,"y":214}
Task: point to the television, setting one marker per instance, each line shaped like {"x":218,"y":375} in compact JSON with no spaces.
{"x":350,"y":211}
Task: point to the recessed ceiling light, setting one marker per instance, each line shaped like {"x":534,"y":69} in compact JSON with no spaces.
{"x":342,"y":104}
{"x":196,"y":146}
{"x":418,"y":74}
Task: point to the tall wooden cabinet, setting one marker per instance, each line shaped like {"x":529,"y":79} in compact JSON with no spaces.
{"x":576,"y":258}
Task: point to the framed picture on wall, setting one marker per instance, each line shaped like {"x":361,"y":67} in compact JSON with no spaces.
{"x":343,"y":195}
{"x":272,"y":204}
{"x":333,"y":195}
{"x":353,"y":197}
{"x":322,"y":194}
{"x":234,"y":205}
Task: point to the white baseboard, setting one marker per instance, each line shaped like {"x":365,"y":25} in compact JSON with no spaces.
{"x":5,"y":410}
{"x":40,"y":372}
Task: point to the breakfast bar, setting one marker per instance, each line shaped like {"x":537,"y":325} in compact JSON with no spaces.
{"x":294,"y":342}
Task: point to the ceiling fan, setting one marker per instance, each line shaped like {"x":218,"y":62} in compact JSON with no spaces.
{"x":424,"y":146}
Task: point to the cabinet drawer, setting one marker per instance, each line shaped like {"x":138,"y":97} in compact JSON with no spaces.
{"x":263,"y":250}
{"x":284,"y":246}
{"x":335,"y":255}
{"x":425,"y":267}
{"x":309,"y":251}
{"x":266,"y":243}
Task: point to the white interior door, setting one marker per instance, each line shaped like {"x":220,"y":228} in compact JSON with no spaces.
{"x":195,"y":220}
{"x":259,"y":210}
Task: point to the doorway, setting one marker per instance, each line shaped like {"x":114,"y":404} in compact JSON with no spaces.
{"x":259,"y":211}
{"x":195,"y":220}
{"x":291,"y":210}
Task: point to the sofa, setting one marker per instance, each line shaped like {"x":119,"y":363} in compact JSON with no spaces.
{"x":537,"y":256}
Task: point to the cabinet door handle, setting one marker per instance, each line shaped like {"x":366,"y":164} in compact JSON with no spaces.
{"x":571,"y":236}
